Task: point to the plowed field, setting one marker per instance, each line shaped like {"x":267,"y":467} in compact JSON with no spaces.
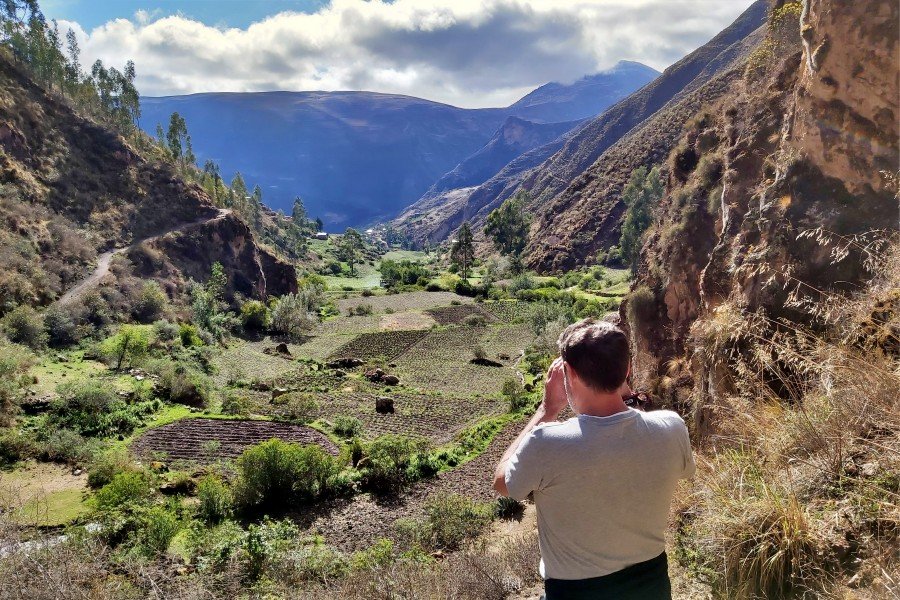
{"x":205,"y":440}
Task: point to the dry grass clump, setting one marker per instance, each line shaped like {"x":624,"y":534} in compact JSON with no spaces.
{"x":798,"y":490}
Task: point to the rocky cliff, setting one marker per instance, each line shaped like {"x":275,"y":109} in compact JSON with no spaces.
{"x":773,"y":189}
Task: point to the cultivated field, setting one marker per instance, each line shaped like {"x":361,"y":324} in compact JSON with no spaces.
{"x":205,"y":440}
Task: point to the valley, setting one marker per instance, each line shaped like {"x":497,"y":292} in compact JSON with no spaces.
{"x":276,"y":346}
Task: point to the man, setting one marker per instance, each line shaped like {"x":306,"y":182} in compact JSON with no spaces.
{"x":603,"y":480}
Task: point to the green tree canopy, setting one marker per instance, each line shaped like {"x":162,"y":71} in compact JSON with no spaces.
{"x":350,"y":246}
{"x":508,"y":225}
{"x":643,"y":192}
{"x":462,"y":253}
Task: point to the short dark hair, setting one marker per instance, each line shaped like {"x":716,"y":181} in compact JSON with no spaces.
{"x":598,"y":351}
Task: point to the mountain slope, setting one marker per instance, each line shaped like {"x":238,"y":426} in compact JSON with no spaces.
{"x":587,"y":97}
{"x":71,"y":189}
{"x":549,"y":170}
{"x":356,"y":157}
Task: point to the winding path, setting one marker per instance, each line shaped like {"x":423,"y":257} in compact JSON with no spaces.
{"x":104,"y":260}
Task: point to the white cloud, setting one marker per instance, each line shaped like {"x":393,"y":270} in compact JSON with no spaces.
{"x":464,"y":52}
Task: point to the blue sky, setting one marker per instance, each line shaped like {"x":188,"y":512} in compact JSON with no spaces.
{"x":470,"y":53}
{"x":228,"y":13}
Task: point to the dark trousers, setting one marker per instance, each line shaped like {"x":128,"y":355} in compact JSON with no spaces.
{"x":648,"y":580}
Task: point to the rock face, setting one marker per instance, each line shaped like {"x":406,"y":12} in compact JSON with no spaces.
{"x":794,"y":151}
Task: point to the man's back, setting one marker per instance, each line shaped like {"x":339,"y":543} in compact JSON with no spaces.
{"x":602,"y":486}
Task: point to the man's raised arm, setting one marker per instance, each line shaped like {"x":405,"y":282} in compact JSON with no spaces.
{"x":548,"y":411}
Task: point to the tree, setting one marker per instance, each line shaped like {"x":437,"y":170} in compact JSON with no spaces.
{"x":74,"y":57}
{"x":177,"y":137}
{"x":643,"y":192}
{"x":319,"y":224}
{"x":350,"y":246}
{"x":463,"y":250}
{"x":239,"y":191}
{"x":298,"y":214}
{"x":211,"y":172}
{"x":131,"y":342}
{"x":508,"y":228}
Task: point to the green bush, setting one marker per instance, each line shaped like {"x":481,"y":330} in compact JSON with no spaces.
{"x":475,"y":321}
{"x":105,"y":467}
{"x":379,"y":554}
{"x":129,"y":344}
{"x":347,"y":426}
{"x":14,"y":446}
{"x":24,"y":325}
{"x":254,"y":315}
{"x":392,"y":461}
{"x":515,"y":394}
{"x":158,"y":527}
{"x":150,"y":304}
{"x":181,"y":384}
{"x":449,"y":521}
{"x":508,"y":508}
{"x":165,"y":331}
{"x":61,"y":328}
{"x":14,"y":364}
{"x":296,"y":407}
{"x":235,"y":404}
{"x":125,"y":488}
{"x":215,"y":499}
{"x":641,"y":307}
{"x":189,"y":336}
{"x":63,"y":445}
{"x":277,"y":474}
{"x":90,"y":408}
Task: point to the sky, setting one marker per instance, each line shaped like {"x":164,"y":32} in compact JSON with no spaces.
{"x":469,"y":53}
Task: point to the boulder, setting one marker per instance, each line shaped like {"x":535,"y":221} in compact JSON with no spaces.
{"x":374,"y":375}
{"x":282,"y":348}
{"x":276,"y":392}
{"x":344,"y":363}
{"x":391,"y":380}
{"x":384,"y":405}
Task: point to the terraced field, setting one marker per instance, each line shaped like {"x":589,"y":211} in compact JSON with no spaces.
{"x":442,"y":360}
{"x":205,"y":440}
{"x":457,"y":315}
{"x":435,"y":417}
{"x":384,"y":345}
{"x":403,"y":302}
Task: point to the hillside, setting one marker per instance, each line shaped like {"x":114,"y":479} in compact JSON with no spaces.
{"x":549,"y":170}
{"x":767,"y":311}
{"x":72,"y":189}
{"x":358,"y":157}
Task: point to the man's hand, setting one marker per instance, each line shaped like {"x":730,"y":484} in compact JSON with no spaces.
{"x":555,"y":398}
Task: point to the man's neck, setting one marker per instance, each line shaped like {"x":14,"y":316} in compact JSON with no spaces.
{"x":602,"y":405}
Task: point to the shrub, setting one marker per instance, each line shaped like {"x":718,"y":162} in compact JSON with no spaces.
{"x":14,"y":364}
{"x":521,"y":282}
{"x":508,"y":508}
{"x":275,"y":474}
{"x":478,"y":352}
{"x":129,"y":344}
{"x":515,"y":394}
{"x":235,"y":404}
{"x":367,"y":293}
{"x":105,"y":467}
{"x":60,"y":327}
{"x":449,"y":521}
{"x":189,"y":336}
{"x":294,"y":315}
{"x":641,"y":307}
{"x":91,"y":408}
{"x":150,"y":303}
{"x":347,"y":426}
{"x":464,"y":288}
{"x":475,"y":321}
{"x":14,"y":446}
{"x":165,"y":331}
{"x":392,"y":461}
{"x":254,"y":315}
{"x":215,"y":500}
{"x":125,"y":488}
{"x":63,"y":445}
{"x":181,"y":384}
{"x":297,"y":407}
{"x":24,"y":325}
{"x":158,"y":527}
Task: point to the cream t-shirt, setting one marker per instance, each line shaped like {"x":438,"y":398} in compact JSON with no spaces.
{"x":602,"y":487}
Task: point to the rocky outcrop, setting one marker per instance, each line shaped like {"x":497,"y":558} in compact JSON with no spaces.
{"x":764,"y":183}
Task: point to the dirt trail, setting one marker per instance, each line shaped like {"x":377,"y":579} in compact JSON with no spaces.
{"x":104,"y":260}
